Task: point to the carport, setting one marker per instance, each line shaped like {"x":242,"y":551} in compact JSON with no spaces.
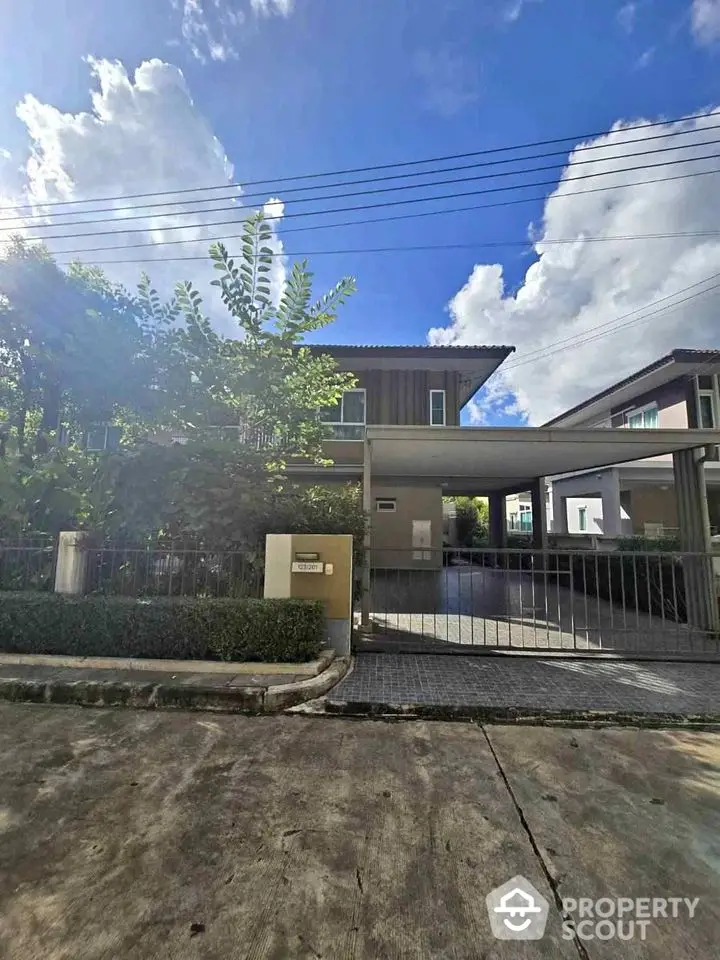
{"x":495,"y":462}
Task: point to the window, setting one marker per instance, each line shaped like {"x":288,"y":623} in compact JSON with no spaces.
{"x":582,"y":519}
{"x":706,"y":410}
{"x":385,"y":505}
{"x":437,"y":408}
{"x":103,"y":438}
{"x":646,"y":418}
{"x":346,"y":420}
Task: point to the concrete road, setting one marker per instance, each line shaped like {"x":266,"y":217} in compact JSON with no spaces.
{"x":161,"y":835}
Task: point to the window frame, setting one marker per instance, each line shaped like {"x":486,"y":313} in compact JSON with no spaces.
{"x":391,"y":503}
{"x":713,"y":408}
{"x":640,"y":412}
{"x":582,"y":519}
{"x":443,"y":393}
{"x":349,"y":423}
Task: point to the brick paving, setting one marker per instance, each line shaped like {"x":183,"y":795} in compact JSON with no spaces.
{"x":551,"y":685}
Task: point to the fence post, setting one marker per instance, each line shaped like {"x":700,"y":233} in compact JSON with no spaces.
{"x":71,"y":563}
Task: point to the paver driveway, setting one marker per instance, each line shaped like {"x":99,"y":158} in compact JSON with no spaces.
{"x":159,"y":835}
{"x":482,"y":607}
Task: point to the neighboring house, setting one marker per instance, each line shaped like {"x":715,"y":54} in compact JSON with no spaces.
{"x":407,"y":386}
{"x":680,"y":390}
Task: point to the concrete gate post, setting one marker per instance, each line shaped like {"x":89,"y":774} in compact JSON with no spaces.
{"x":367,"y":510}
{"x":695,"y":542}
{"x":539,"y":514}
{"x":71,"y":566}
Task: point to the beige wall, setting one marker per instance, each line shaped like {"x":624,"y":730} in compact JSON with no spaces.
{"x":391,"y":534}
{"x":652,"y":505}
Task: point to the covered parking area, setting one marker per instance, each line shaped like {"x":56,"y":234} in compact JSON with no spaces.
{"x":548,"y":597}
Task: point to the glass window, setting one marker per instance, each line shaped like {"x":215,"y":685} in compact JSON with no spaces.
{"x":346,"y":420}
{"x":437,"y":408}
{"x":707,"y":413}
{"x":643,"y":419}
{"x":582,"y":518}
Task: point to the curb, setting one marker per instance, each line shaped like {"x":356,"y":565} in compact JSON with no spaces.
{"x":152,"y":696}
{"x":310,"y":669}
{"x":519,"y":716}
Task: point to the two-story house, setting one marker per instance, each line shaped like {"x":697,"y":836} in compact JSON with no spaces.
{"x":680,"y":390}
{"x":406,"y":386}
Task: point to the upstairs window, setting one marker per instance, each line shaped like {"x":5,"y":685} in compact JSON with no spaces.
{"x":644,"y":419}
{"x":437,"y":408}
{"x":103,"y":437}
{"x":346,"y":420}
{"x":706,"y":410}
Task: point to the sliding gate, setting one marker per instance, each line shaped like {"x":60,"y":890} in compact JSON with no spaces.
{"x":621,"y":602}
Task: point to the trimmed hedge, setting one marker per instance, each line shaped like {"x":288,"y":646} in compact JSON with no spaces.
{"x":161,"y":628}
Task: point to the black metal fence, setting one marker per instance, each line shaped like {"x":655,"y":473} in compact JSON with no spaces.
{"x":28,"y":562}
{"x":619,"y":601}
{"x":171,"y":569}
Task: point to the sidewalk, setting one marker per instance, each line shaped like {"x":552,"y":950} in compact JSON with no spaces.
{"x":528,"y":688}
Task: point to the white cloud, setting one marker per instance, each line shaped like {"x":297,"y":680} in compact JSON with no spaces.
{"x":266,"y":8}
{"x":513,"y":10}
{"x":450,"y":80}
{"x":211,"y":28}
{"x":572,"y":288}
{"x":645,"y":58}
{"x":705,"y":19}
{"x":627,"y":15}
{"x":143,"y":133}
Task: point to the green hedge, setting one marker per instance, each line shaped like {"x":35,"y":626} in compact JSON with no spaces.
{"x":179,"y":629}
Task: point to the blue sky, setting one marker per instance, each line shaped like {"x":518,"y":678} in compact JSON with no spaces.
{"x":296,"y":86}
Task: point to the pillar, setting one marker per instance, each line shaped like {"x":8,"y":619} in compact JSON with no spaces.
{"x":539,"y":514}
{"x":497,"y":520}
{"x":559,"y":517}
{"x":367,"y":510}
{"x":71,"y":564}
{"x":695,"y":542}
{"x":612,"y":513}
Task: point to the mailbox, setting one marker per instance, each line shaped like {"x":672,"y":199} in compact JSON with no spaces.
{"x":314,"y":567}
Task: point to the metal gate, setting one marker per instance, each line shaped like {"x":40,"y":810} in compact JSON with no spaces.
{"x":628,"y":603}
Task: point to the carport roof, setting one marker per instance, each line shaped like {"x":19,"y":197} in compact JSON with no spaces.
{"x":473,"y":460}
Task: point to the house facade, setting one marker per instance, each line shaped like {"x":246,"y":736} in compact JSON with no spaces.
{"x":678,"y":391}
{"x":409,"y":386}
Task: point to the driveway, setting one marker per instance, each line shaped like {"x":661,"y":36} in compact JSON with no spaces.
{"x":480,"y":607}
{"x":159,"y":835}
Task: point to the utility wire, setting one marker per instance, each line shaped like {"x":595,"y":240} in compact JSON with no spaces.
{"x":542,"y":353}
{"x":389,"y":166}
{"x":416,"y":248}
{"x":398,"y":176}
{"x":371,"y":220}
{"x":395,"y":203}
{"x":402,"y":187}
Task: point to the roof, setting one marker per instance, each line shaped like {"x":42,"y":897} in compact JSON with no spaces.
{"x":411,"y":350}
{"x":482,"y":460}
{"x":475,"y":363}
{"x":653,"y":375}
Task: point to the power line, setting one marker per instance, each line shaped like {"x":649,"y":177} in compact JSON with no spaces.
{"x":421,"y":247}
{"x":542,"y":353}
{"x":395,"y":203}
{"x":372,"y":220}
{"x":423,"y":173}
{"x":401,"y":187}
{"x":386,"y":166}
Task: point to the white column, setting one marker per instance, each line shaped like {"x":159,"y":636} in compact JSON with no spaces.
{"x":71,"y":563}
{"x":612,"y":514}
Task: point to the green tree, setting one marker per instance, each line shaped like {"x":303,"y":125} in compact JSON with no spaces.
{"x":264,"y":381}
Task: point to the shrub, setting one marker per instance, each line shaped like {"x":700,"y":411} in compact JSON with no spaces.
{"x":183,"y":628}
